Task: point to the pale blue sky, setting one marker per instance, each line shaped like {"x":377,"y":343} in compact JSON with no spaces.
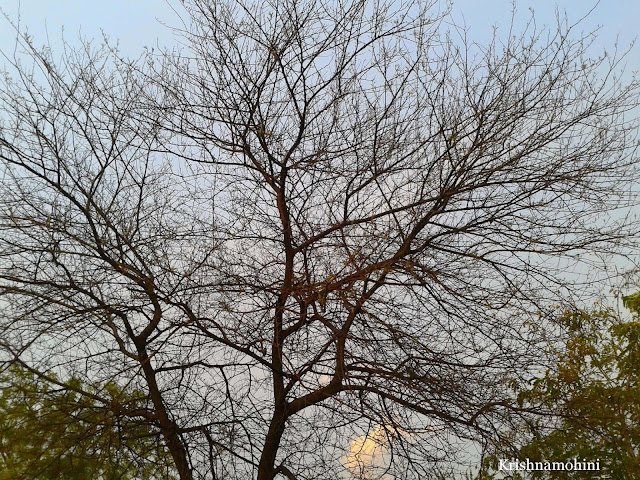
{"x":134,"y":22}
{"x":137,"y":22}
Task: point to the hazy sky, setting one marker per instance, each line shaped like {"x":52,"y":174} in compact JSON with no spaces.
{"x":138,"y":22}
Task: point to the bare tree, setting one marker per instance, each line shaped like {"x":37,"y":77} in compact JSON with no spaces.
{"x":320,"y":232}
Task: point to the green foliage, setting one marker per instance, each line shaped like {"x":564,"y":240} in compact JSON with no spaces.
{"x":47,"y":432}
{"x":632,"y":302}
{"x":596,"y":388}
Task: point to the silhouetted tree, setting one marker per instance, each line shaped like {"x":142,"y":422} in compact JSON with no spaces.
{"x":316,"y":224}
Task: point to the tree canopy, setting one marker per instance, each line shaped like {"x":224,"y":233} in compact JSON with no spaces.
{"x":315,"y":225}
{"x":55,"y":431}
{"x":595,"y":386}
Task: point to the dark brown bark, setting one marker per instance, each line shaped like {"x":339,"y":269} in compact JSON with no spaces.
{"x":266,"y":467}
{"x":167,"y":426}
{"x":316,"y":223}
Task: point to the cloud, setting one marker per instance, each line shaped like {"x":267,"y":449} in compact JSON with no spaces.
{"x":368,"y":454}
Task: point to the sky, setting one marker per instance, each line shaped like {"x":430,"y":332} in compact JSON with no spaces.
{"x":136,"y":23}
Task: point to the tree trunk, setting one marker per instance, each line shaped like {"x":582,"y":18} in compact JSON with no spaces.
{"x":266,"y":467}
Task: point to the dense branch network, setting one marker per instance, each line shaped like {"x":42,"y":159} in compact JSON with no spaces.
{"x":316,"y":222}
